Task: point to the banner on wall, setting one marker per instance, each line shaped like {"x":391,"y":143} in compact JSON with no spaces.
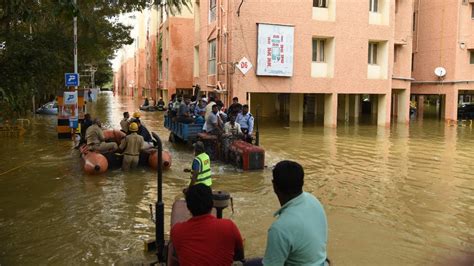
{"x":275,"y":50}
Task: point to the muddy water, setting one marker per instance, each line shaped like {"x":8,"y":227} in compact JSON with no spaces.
{"x":395,"y":196}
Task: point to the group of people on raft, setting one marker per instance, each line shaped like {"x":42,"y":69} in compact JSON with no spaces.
{"x":150,"y":104}
{"x":297,"y":237}
{"x":137,"y":138}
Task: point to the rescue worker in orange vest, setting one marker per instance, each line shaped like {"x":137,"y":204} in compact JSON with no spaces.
{"x":131,"y":146}
{"x":201,"y":168}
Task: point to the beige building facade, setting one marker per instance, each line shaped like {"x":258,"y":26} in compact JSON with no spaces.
{"x":159,"y":63}
{"x":323,"y":59}
{"x":444,"y":38}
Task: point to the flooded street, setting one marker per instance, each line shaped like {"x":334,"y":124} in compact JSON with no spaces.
{"x":395,"y":196}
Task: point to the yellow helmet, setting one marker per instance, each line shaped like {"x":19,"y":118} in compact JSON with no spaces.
{"x":136,"y":115}
{"x":133,"y":127}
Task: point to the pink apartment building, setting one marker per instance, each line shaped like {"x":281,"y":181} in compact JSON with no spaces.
{"x":444,"y":38}
{"x":160,"y":61}
{"x":176,"y":65}
{"x":328,"y":59}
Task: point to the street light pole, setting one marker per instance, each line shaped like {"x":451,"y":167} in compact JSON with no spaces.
{"x":75,"y":38}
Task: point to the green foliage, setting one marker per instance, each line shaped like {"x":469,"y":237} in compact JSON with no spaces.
{"x":38,"y":39}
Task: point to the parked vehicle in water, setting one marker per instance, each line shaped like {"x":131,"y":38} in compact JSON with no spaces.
{"x":466,"y":111}
{"x":50,"y":108}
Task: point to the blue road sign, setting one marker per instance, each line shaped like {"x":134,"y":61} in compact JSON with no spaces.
{"x":72,"y":79}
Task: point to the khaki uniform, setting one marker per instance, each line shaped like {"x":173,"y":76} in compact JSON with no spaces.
{"x":96,"y":141}
{"x":124,"y":124}
{"x":131,"y":146}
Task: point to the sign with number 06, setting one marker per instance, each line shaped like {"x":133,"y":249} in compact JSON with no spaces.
{"x":244,"y":65}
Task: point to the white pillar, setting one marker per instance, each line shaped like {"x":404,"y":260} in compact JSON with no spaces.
{"x":403,"y":99}
{"x":383,"y":110}
{"x":330,"y":110}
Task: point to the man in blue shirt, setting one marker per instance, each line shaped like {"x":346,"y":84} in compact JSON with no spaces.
{"x":245,"y":120}
{"x":299,"y":235}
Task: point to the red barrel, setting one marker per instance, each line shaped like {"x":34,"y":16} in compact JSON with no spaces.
{"x":153,"y":160}
{"x":94,"y":163}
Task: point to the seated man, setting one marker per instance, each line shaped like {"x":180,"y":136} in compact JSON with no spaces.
{"x":160,"y":104}
{"x":221,"y":113}
{"x":95,"y":139}
{"x":125,"y":123}
{"x":232,"y":132}
{"x":204,"y":239}
{"x":213,"y":123}
{"x":200,"y":109}
{"x":146,"y":102}
{"x":184,"y":115}
{"x":86,"y":123}
{"x":299,"y":235}
{"x":235,"y":108}
{"x":246,"y":120}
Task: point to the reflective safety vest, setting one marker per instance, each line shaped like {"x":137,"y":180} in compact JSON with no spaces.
{"x":204,"y":176}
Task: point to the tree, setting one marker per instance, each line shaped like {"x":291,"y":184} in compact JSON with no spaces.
{"x":36,"y":44}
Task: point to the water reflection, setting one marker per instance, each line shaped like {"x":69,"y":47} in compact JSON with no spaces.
{"x":402,"y":195}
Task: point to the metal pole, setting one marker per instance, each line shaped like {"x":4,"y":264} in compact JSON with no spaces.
{"x":75,"y":38}
{"x":257,"y":132}
{"x":160,"y":206}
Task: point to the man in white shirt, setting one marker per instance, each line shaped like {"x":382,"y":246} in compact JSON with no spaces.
{"x":232,"y":128}
{"x":209,"y":107}
{"x":213,"y":122}
{"x":232,"y":132}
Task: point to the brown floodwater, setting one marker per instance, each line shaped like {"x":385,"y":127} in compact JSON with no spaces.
{"x":403,"y":195}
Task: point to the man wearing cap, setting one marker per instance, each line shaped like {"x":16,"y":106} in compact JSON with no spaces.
{"x":131,"y":146}
{"x":201,"y":168}
{"x":142,"y":130}
{"x":95,"y":139}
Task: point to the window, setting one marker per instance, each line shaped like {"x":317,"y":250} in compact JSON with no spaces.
{"x":320,"y":3}
{"x":373,"y":53}
{"x":212,"y":68}
{"x":318,"y":50}
{"x":212,"y":10}
{"x":412,"y":62}
{"x":472,"y":58}
{"x":472,"y":11}
{"x":374,"y":6}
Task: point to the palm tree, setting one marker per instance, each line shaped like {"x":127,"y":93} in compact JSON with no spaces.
{"x":173,"y":7}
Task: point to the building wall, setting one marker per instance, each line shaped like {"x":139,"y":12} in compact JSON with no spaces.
{"x":465,"y":44}
{"x":436,"y":37}
{"x":443,"y":38}
{"x":181,"y":53}
{"x":348,"y":24}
